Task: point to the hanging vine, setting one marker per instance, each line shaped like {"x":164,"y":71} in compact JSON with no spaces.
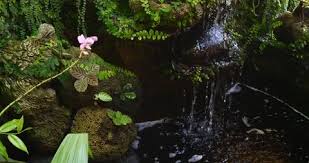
{"x":81,"y":9}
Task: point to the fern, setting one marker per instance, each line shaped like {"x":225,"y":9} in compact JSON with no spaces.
{"x":150,"y":35}
{"x":122,"y":21}
{"x":23,"y":17}
{"x":106,"y":74}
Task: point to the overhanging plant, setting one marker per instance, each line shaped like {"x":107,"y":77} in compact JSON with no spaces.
{"x":148,"y":19}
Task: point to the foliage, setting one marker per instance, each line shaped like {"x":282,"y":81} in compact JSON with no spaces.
{"x":118,"y":118}
{"x":45,"y":65}
{"x":43,"y":69}
{"x":128,"y":95}
{"x":253,"y":23}
{"x":74,"y":148}
{"x":106,"y":74}
{"x":12,"y":129}
{"x":123,"y":20}
{"x":85,"y":75}
{"x":103,"y":96}
{"x":81,"y":9}
{"x":23,"y":17}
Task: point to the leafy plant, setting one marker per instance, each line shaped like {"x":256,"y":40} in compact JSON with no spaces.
{"x":85,"y":75}
{"x":23,"y":17}
{"x":73,"y":149}
{"x":128,"y":96}
{"x":12,"y":129}
{"x":118,"y":118}
{"x":106,"y":74}
{"x":145,"y":19}
{"x":42,"y":68}
{"x":103,"y":96}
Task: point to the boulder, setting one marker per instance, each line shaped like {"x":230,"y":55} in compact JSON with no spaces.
{"x":118,"y":83}
{"x":23,"y":65}
{"x":106,"y":140}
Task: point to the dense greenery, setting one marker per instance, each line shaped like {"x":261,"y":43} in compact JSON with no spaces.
{"x":22,"y":18}
{"x":11,"y":129}
{"x":147,"y":19}
{"x":254,"y":23}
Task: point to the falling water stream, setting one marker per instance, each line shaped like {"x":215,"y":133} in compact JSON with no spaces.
{"x":212,"y":127}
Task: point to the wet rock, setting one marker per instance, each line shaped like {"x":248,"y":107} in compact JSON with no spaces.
{"x":118,"y":84}
{"x":106,"y":140}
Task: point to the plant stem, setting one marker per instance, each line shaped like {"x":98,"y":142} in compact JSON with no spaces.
{"x":38,"y":85}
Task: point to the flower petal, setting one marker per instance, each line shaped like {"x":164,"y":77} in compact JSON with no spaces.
{"x":81,"y":39}
{"x":94,"y":38}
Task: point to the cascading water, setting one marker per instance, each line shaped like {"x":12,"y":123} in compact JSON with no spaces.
{"x":211,"y":127}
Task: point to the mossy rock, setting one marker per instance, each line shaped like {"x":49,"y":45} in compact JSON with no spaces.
{"x":184,"y":12}
{"x":119,"y":83}
{"x":292,"y":28}
{"x":107,"y":141}
{"x":23,"y":66}
{"x":50,"y":121}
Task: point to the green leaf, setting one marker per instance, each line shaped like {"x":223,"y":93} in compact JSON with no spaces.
{"x":8,"y":126}
{"x":73,"y":149}
{"x":18,"y":143}
{"x":90,"y":153}
{"x":130,"y":95}
{"x":81,"y":85}
{"x":118,"y":118}
{"x":3,"y":151}
{"x":20,"y":124}
{"x":103,"y":96}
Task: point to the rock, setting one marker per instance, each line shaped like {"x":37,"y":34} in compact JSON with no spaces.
{"x":117,"y":85}
{"x":292,"y":27}
{"x":23,"y":66}
{"x":50,"y":121}
{"x":106,"y":140}
{"x":183,"y":12}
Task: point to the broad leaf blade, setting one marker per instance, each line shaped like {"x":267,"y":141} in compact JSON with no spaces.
{"x":8,"y":126}
{"x":18,"y":143}
{"x":81,"y":85}
{"x":3,"y":151}
{"x":20,"y":124}
{"x":103,"y":96}
{"x":73,"y":149}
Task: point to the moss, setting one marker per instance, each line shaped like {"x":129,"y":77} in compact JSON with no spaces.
{"x":106,"y":140}
{"x":113,"y":85}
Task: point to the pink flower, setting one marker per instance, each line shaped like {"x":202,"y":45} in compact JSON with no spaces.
{"x":86,"y":43}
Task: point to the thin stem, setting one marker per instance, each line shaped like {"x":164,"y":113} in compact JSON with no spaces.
{"x":38,"y":85}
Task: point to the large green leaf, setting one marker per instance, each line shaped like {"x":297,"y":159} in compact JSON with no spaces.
{"x":118,"y":118}
{"x":103,"y":96}
{"x":9,"y":126}
{"x":3,"y":151}
{"x":20,"y":124}
{"x":18,"y":143}
{"x":73,"y":149}
{"x":81,"y":85}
